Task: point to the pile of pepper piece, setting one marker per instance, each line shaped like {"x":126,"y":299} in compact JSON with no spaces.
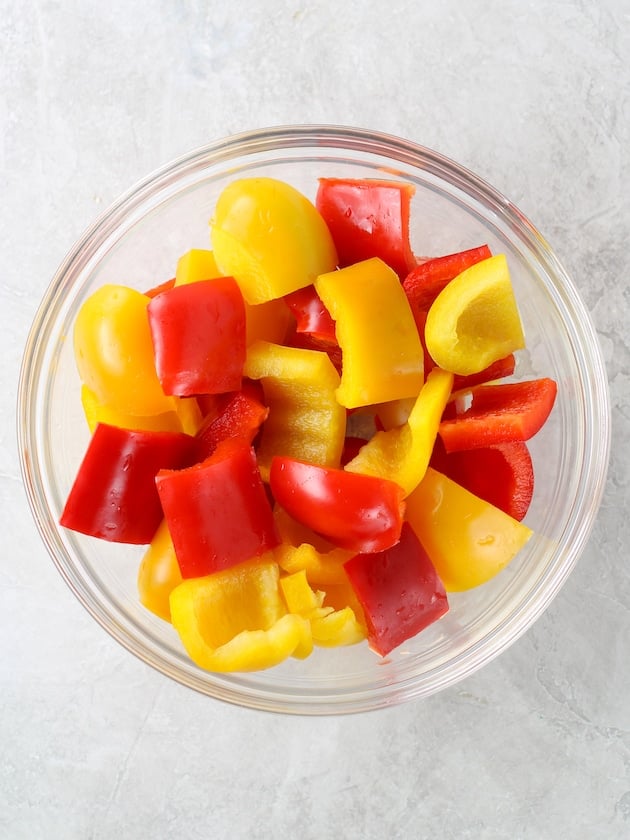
{"x":305,"y":426}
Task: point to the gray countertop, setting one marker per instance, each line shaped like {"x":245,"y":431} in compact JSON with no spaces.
{"x":535,"y":98}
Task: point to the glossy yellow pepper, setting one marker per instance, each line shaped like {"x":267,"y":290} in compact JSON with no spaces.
{"x":185,"y":418}
{"x":270,"y":238}
{"x":474,"y":321}
{"x":300,"y":598}
{"x":114,"y":352}
{"x":375,"y":328}
{"x":159,"y":574}
{"x":402,"y":454}
{"x":195,"y":265}
{"x":337,"y":628}
{"x":468,"y":540}
{"x":319,"y":567}
{"x":305,"y":420}
{"x":235,"y":619}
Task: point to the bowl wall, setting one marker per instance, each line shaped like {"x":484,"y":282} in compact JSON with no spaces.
{"x":138,"y":241}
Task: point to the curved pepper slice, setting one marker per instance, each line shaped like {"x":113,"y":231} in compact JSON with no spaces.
{"x":500,"y":414}
{"x":402,"y":454}
{"x":113,"y":496}
{"x":217,"y":511}
{"x":425,"y":282}
{"x":474,"y":321}
{"x":338,"y":628}
{"x":198,"y":333}
{"x":240,"y":417}
{"x":185,"y":418}
{"x":399,"y":591}
{"x":305,"y":420}
{"x":381,"y":349}
{"x":468,"y":540}
{"x":368,"y":218}
{"x":319,"y":567}
{"x":356,"y":512}
{"x":234,"y":620}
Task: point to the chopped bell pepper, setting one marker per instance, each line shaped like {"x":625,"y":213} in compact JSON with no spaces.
{"x":502,"y":475}
{"x":382,"y":353}
{"x":368,"y":218}
{"x":161,"y":287}
{"x":468,"y":540}
{"x":113,"y":496}
{"x":500,"y":414}
{"x":402,"y":454}
{"x":338,"y":628}
{"x":268,"y":321}
{"x":111,"y":329}
{"x":234,"y":620}
{"x":319,"y":567}
{"x":399,"y":590}
{"x":198,"y":333}
{"x":355,"y":512}
{"x":195,"y":265}
{"x":474,"y":320}
{"x":217,"y":511}
{"x":270,"y":237}
{"x":159,"y":573}
{"x":300,"y":598}
{"x":305,"y":420}
{"x":240,"y":417}
{"x":186,"y":416}
{"x":314,"y":328}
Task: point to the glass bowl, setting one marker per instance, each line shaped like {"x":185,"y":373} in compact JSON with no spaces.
{"x":137,"y":242}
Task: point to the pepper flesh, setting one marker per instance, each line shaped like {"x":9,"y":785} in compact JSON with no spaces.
{"x":402,"y":454}
{"x":381,"y":349}
{"x":468,"y":540}
{"x":305,"y":420}
{"x":159,"y":573}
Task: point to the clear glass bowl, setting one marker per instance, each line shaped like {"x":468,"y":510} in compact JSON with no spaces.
{"x":137,"y":242}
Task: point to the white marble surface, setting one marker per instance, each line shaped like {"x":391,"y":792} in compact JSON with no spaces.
{"x":533,"y":96}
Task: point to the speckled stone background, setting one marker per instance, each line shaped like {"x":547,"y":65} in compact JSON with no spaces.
{"x":535,"y":97}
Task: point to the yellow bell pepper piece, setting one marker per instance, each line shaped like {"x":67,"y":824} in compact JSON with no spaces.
{"x":319,"y":568}
{"x":159,"y":574}
{"x":468,"y":540}
{"x":305,"y":420}
{"x":375,"y":328}
{"x":338,"y":628}
{"x":235,"y":620}
{"x":402,"y":454}
{"x":266,"y":322}
{"x":300,"y":598}
{"x":270,"y":238}
{"x":474,"y":321}
{"x":195,"y":265}
{"x":186,"y":417}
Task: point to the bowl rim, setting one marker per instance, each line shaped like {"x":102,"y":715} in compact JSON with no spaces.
{"x":398,"y":150}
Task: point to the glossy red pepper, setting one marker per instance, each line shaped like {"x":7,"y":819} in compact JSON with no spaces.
{"x":217,"y":511}
{"x":198,"y":332}
{"x":163,"y":287}
{"x":500,"y":414}
{"x":424,"y":283}
{"x":399,"y":591}
{"x":311,"y":316}
{"x":502,"y":475}
{"x":356,"y":512}
{"x":368,"y":218}
{"x":240,"y":416}
{"x":113,"y":496}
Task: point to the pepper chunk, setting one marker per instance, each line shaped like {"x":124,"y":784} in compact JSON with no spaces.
{"x":234,"y":620}
{"x":468,"y":540}
{"x":305,"y":420}
{"x":368,"y":218}
{"x":500,"y":414}
{"x":474,"y":321}
{"x":402,"y":454}
{"x":198,"y":332}
{"x":381,"y":349}
{"x":399,"y":590}
{"x":240,"y":417}
{"x":356,"y":512}
{"x":159,"y":573}
{"x":217,"y":511}
{"x":425,"y":282}
{"x":113,"y":496}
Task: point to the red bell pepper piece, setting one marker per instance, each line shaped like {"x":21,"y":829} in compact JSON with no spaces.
{"x":113,"y":496}
{"x":198,"y":332}
{"x":497,"y":370}
{"x":399,"y":591}
{"x":217,"y":511}
{"x":500,"y":414}
{"x":163,"y":287}
{"x":424,"y":283}
{"x":311,"y":316}
{"x":368,"y":218}
{"x":241,"y":416}
{"x":357,"y":512}
{"x":502,"y":475}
